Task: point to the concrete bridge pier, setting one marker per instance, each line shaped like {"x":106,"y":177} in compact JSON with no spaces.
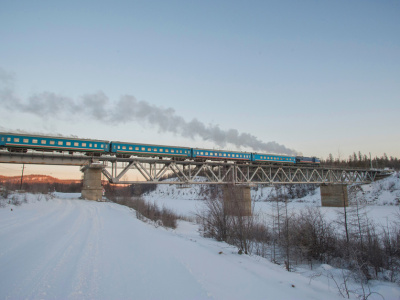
{"x":92,"y":188}
{"x":334,"y":195}
{"x":237,"y":200}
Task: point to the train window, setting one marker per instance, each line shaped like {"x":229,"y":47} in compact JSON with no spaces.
{"x":35,"y":141}
{"x":201,"y":153}
{"x":130,"y":148}
{"x":52,"y":142}
{"x":225,"y":154}
{"x":124,"y":147}
{"x":26,"y":140}
{"x":166,"y":150}
{"x":68,"y":143}
{"x":43,"y":142}
{"x":95,"y":145}
{"x":8,"y":139}
{"x":206,"y":153}
{"x":229,"y":155}
{"x":161,"y":150}
{"x":172,"y":151}
{"x":155,"y":149}
{"x":143,"y":149}
{"x":16,"y":140}
{"x":119,"y":147}
{"x":180,"y":151}
{"x":60,"y":143}
{"x":84,"y":145}
{"x":148,"y":149}
{"x":136,"y":148}
{"x":76,"y":144}
{"x":90,"y":145}
{"x":102,"y":146}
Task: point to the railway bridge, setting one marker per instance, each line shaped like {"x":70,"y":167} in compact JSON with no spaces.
{"x":333,"y":181}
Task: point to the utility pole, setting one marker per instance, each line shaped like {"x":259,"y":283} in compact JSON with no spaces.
{"x":22,"y":176}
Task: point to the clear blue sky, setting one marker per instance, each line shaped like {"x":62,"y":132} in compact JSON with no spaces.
{"x":319,"y":77}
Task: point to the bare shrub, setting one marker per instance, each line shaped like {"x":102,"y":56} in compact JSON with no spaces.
{"x":392,"y":186}
{"x":3,"y":203}
{"x":227,"y":217}
{"x":15,"y":200}
{"x":312,"y":236}
{"x":214,"y":220}
{"x":149,"y":211}
{"x":5,"y":193}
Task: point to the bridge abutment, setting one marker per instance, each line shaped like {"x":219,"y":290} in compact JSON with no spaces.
{"x":334,"y":195}
{"x":92,"y":188}
{"x":237,"y":200}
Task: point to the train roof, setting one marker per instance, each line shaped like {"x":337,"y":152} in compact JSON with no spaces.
{"x":284,"y":155}
{"x":52,"y":137}
{"x":214,"y":150}
{"x":151,"y":145}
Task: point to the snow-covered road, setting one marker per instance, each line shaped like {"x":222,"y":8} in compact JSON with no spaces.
{"x":75,"y":249}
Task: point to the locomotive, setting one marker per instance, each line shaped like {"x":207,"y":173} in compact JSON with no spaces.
{"x":14,"y":142}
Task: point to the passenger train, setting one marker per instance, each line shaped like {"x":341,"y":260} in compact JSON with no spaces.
{"x":14,"y":142}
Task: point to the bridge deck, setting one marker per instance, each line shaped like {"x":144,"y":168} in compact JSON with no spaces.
{"x":191,"y":172}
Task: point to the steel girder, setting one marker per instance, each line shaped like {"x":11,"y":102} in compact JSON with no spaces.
{"x":186,"y":172}
{"x":191,"y":172}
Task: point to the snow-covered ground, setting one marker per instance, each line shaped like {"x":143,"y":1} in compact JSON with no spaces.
{"x":66,"y":248}
{"x":62,"y":247}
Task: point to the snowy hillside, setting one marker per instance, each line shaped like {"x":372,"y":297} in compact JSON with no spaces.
{"x":382,"y":192}
{"x":66,"y":248}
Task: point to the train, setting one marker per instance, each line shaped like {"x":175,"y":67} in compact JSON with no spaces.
{"x":15,"y":142}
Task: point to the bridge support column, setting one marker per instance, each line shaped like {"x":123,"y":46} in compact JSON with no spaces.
{"x":92,"y":188}
{"x":334,"y":195}
{"x":237,"y":200}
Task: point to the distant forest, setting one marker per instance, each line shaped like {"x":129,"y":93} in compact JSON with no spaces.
{"x":363,"y":161}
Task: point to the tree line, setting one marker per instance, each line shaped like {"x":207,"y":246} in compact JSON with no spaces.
{"x":360,"y":160}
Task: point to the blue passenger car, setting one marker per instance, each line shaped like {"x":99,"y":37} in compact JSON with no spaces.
{"x":2,"y":139}
{"x":128,"y":149}
{"x":22,"y":142}
{"x":207,"y":154}
{"x":259,"y":157}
